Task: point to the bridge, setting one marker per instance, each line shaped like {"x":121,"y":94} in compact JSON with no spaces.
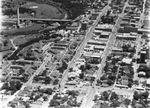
{"x":39,"y":19}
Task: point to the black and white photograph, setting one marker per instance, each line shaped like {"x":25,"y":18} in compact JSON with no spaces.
{"x":74,"y":53}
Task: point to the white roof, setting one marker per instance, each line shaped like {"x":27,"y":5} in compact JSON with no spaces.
{"x":73,"y":74}
{"x":148,"y":81}
{"x":142,"y":73}
{"x":127,"y":35}
{"x":97,"y":31}
{"x":105,"y":33}
{"x":105,"y":26}
{"x":127,"y":60}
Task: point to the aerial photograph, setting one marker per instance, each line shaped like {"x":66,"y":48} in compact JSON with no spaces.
{"x":75,"y":54}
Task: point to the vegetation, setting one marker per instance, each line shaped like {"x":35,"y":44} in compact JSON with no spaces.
{"x":12,"y":86}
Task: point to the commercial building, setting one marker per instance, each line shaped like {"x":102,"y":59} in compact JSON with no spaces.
{"x":94,"y":42}
{"x":104,"y":27}
{"x":142,"y":30}
{"x":105,"y":35}
{"x":131,"y":35}
{"x":84,"y":25}
{"x":148,"y":82}
{"x":142,"y":56}
{"x":146,"y":23}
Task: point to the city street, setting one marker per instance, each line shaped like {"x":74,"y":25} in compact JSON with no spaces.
{"x":65,"y":66}
{"x":105,"y":54}
{"x":46,"y":59}
{"x":83,"y":44}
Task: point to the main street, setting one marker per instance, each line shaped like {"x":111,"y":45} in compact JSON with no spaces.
{"x":83,"y":44}
{"x":110,"y":42}
{"x":105,"y":54}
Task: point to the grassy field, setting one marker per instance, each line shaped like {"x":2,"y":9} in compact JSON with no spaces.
{"x":43,"y":10}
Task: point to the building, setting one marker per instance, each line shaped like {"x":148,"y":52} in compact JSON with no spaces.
{"x":148,"y":82}
{"x":105,"y":35}
{"x":104,"y":27}
{"x":97,"y":32}
{"x":130,"y":36}
{"x":146,"y":23}
{"x":94,"y":42}
{"x":142,"y":56}
{"x":93,"y":54}
{"x":142,"y":30}
{"x":84,"y":25}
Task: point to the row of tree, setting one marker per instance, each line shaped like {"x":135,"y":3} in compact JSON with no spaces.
{"x":12,"y":86}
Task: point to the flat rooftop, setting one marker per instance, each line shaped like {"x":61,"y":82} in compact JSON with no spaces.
{"x":104,"y":26}
{"x":93,"y":54}
{"x":126,"y":35}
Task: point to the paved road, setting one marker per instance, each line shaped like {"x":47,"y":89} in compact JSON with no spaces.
{"x":4,"y":105}
{"x":83,"y":44}
{"x":105,"y":54}
{"x":139,"y":26}
{"x":110,"y":42}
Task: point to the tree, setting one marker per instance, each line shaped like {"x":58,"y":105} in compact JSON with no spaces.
{"x":88,"y":66}
{"x":60,"y":69}
{"x":103,"y":78}
{"x":72,"y":93}
{"x":98,"y":81}
{"x":36,"y":97}
{"x":25,"y":77}
{"x":133,"y":103}
{"x":145,"y":94}
{"x":49,"y":91}
{"x":130,"y":84}
{"x":64,"y":65}
{"x":142,"y":103}
{"x":82,"y":67}
{"x":47,"y":80}
{"x":5,"y":86}
{"x":5,"y":42}
{"x":105,"y":95}
{"x":114,"y":96}
{"x":70,"y":69}
{"x":36,"y":78}
{"x":18,"y":85}
{"x":127,"y":101}
{"x":115,"y":103}
{"x":109,"y":82}
{"x":55,"y":81}
{"x":64,"y":99}
{"x":95,"y":98}
{"x":81,"y":76}
{"x":54,"y":102}
{"x":45,"y":98}
{"x":112,"y":77}
{"x":136,"y":82}
{"x":136,"y":96}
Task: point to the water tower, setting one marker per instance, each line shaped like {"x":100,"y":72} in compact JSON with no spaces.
{"x":84,"y":25}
